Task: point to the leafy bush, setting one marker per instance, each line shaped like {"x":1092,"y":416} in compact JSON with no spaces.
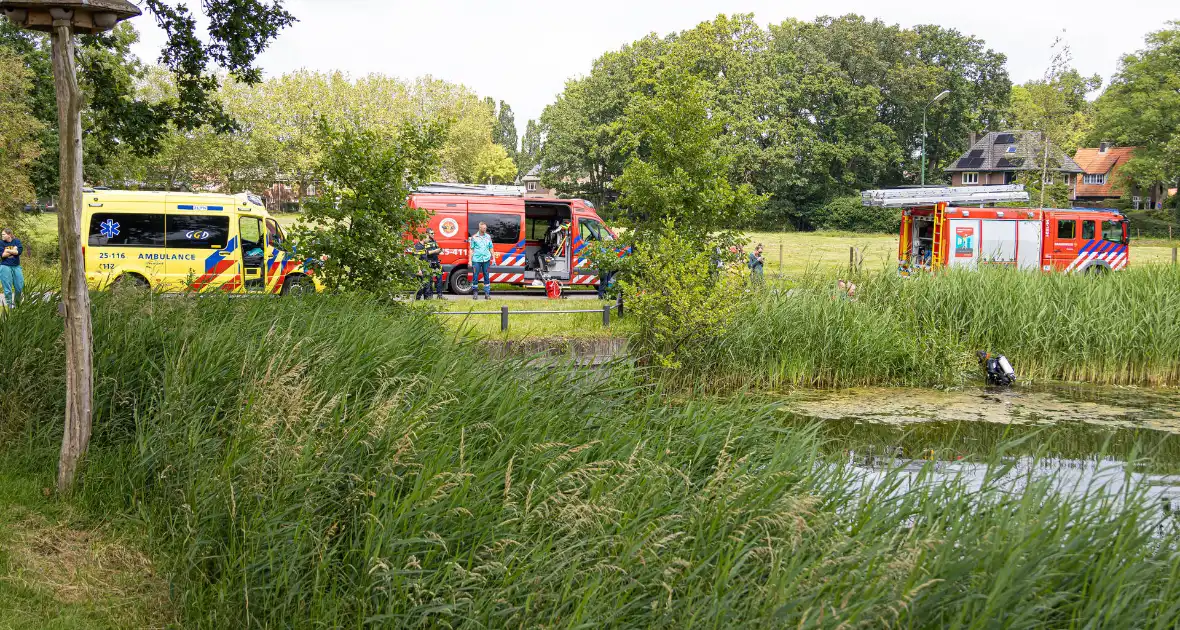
{"x":847,"y":214}
{"x":1153,"y":223}
{"x":680,"y":297}
{"x":361,"y":224}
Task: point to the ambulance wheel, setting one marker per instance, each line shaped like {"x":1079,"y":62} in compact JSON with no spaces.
{"x":131,"y":281}
{"x":460,"y":281}
{"x":298,"y":285}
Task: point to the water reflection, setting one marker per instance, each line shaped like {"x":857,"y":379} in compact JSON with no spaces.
{"x":1117,"y":442}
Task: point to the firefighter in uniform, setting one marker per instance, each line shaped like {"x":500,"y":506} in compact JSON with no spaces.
{"x":433,"y":253}
{"x":424,"y":283}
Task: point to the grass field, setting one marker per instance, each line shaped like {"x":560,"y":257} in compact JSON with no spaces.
{"x":581,"y":325}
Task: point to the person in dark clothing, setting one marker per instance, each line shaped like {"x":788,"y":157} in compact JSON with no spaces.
{"x":433,"y":253}
{"x":426,"y":288}
{"x":12,"y":277}
{"x":999,"y":371}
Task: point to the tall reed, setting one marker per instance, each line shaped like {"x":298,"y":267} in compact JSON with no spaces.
{"x":334,"y":463}
{"x":1123,"y":328}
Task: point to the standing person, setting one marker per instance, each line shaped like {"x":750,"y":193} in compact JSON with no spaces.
{"x":424,"y":282}
{"x":12,"y":278}
{"x":482,"y":256}
{"x":756,"y":263}
{"x":433,"y":258}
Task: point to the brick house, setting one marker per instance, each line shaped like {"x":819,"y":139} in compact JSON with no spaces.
{"x":998,"y":157}
{"x":532,"y":184}
{"x":1097,"y":182}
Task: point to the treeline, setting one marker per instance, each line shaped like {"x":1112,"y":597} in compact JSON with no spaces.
{"x":812,"y":110}
{"x":139,"y":133}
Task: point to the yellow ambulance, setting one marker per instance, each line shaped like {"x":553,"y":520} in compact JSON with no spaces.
{"x":189,"y":242}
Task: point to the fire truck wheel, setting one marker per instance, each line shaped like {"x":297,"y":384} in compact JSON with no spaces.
{"x":1096,"y":270}
{"x":460,"y":281}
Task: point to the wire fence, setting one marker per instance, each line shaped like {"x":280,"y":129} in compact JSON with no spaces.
{"x":506,"y":313}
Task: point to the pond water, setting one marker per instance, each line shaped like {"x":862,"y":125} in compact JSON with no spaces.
{"x":1074,"y":437}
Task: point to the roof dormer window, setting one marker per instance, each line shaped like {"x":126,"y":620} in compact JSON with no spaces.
{"x":1103,"y":146}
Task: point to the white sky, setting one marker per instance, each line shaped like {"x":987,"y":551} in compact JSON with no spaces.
{"x":523,"y":51}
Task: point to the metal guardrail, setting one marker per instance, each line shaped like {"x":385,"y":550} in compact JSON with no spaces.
{"x":505,"y":313}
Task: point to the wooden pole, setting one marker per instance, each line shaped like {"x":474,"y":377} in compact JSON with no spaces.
{"x":503,"y":319}
{"x":1173,"y":256}
{"x":75,"y":298}
{"x":780,"y":260}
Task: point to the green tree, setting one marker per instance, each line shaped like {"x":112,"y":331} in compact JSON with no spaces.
{"x":677,"y":172}
{"x":584,"y":150}
{"x":360,"y":224}
{"x":530,"y":148}
{"x":121,"y":128}
{"x":19,"y":132}
{"x":1054,"y":109}
{"x":814,"y":110}
{"x":493,"y":166}
{"x":504,"y":131}
{"x":1141,"y":108}
{"x":1065,"y":94}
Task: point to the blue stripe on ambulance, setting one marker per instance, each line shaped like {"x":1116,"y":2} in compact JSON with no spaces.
{"x":216,"y":256}
{"x":192,"y":207}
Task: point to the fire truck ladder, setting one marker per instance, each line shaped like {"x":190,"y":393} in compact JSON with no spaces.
{"x":956,"y":196}
{"x":938,"y":253}
{"x":483,"y":190}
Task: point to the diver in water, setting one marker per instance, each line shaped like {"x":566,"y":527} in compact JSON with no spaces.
{"x":999,"y":370}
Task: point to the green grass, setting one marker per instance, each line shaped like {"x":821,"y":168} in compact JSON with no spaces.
{"x":521,"y":326}
{"x":59,"y":571}
{"x":1122,"y":328}
{"x":335,"y":463}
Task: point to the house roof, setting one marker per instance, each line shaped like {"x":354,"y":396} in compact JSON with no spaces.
{"x":1011,"y":151}
{"x":1096,"y":162}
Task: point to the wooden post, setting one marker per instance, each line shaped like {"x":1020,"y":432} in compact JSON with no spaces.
{"x":1173,"y":256}
{"x":780,"y":260}
{"x":74,"y":295}
{"x":851,"y":259}
{"x":620,"y":306}
{"x":504,"y":318}
{"x":606,"y":316}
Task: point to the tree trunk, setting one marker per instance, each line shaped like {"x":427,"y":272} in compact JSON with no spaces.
{"x":74,"y":296}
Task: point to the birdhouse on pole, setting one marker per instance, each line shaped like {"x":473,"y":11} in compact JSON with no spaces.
{"x":84,"y":17}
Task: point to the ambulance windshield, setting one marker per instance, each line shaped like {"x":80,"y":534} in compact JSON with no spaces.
{"x":1113,"y":231}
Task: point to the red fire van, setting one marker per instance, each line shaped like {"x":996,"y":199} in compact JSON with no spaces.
{"x":519,"y":229}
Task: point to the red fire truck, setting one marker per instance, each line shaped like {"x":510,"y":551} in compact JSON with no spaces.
{"x":961,"y":227}
{"x":535,"y":239}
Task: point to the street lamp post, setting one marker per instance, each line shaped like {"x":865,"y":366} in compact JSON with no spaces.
{"x":941,"y":95}
{"x":62,"y":19}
